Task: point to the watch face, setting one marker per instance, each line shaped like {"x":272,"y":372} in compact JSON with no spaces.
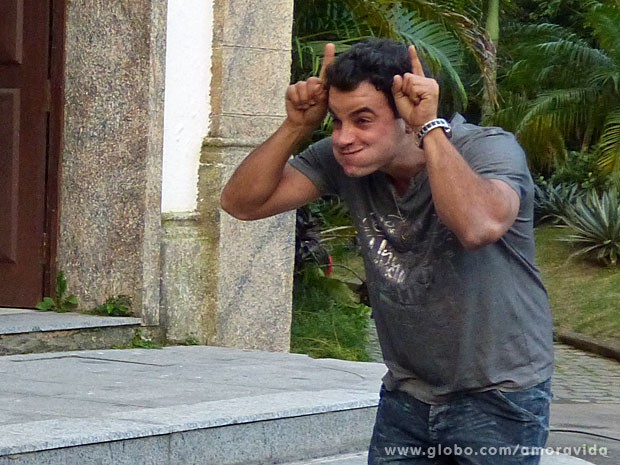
{"x":433,"y":124}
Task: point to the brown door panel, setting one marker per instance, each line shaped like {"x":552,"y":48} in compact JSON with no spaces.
{"x":11,"y":31}
{"x":9,"y":171}
{"x":24,"y":74}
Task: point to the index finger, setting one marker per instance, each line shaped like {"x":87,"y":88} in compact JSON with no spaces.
{"x":416,"y":64}
{"x":328,"y":59}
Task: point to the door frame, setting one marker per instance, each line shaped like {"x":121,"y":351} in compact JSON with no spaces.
{"x":55,"y":138}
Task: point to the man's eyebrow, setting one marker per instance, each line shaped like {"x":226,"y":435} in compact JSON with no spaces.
{"x":354,"y":112}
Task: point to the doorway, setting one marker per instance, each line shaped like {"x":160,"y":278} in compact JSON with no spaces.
{"x":30,"y":116}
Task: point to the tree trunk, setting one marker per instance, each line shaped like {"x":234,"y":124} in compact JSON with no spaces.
{"x":489,"y":96}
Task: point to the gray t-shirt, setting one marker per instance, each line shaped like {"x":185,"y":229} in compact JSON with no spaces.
{"x":449,"y":320}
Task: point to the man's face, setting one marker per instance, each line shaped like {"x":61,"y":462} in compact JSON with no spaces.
{"x":367,"y":137}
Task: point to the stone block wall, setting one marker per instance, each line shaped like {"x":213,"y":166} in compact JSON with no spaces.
{"x":110,"y":221}
{"x":227,"y":282}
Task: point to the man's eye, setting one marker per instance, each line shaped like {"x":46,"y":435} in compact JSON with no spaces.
{"x":363,"y":121}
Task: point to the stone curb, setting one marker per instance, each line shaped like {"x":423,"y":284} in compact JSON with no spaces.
{"x":606,"y":347}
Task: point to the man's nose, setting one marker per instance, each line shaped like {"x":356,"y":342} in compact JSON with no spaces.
{"x":343,"y":136}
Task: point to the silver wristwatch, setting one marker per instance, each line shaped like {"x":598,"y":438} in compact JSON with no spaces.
{"x":434,"y":124}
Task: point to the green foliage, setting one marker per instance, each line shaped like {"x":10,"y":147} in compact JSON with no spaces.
{"x":322,"y":227}
{"x":309,"y":248}
{"x":331,"y":211}
{"x":581,"y":168}
{"x":140,"y":341}
{"x":609,"y":146}
{"x":63,"y":302}
{"x":566,"y":13}
{"x":594,"y":223}
{"x":115,"y":306}
{"x":553,"y":200}
{"x":561,"y":90}
{"x":327,"y":320}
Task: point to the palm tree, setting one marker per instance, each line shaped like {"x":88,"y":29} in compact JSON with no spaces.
{"x":441,"y":32}
{"x":489,"y":101}
{"x":564,"y":92}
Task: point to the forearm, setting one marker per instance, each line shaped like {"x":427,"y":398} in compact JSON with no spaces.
{"x":258,"y":176}
{"x":477,"y":210}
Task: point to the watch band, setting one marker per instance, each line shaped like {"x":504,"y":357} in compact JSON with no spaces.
{"x":434,"y":124}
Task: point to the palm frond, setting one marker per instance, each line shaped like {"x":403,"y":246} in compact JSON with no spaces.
{"x":575,"y":51}
{"x":569,"y":110}
{"x":609,"y":144}
{"x":438,"y":48}
{"x":604,"y":21}
{"x":543,"y":143}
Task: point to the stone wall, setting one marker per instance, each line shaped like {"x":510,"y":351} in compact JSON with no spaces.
{"x":203,"y":276}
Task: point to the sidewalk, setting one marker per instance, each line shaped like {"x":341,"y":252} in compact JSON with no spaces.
{"x":586,"y":389}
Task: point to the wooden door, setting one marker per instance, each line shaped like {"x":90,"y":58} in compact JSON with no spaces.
{"x":24,"y":115}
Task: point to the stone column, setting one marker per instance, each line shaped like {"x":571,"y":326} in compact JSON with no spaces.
{"x":111,"y":169}
{"x":226,"y":282}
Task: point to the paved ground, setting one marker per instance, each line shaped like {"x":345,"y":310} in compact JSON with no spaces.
{"x":177,"y":403}
{"x":585,"y":378}
{"x":585,"y":411}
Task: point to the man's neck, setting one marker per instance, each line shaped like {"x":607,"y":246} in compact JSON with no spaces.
{"x":404,"y":168}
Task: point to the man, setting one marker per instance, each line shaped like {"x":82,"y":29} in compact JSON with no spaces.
{"x":443,"y":214}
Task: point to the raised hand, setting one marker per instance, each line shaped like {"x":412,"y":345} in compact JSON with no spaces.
{"x":306,"y":101}
{"x":416,"y":96}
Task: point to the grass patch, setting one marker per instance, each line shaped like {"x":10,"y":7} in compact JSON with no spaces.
{"x":584,"y":296}
{"x":328,"y":321}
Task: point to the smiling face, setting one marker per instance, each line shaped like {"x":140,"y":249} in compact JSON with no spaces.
{"x":367,"y":136}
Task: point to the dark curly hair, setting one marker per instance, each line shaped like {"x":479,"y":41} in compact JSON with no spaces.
{"x":376,"y":61}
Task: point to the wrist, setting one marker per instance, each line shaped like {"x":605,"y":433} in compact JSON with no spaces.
{"x":299,"y":131}
{"x":433,"y":126}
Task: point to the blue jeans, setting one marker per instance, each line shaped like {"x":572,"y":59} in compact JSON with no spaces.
{"x":484,"y":428}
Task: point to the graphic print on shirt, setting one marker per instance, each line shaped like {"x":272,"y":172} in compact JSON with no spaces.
{"x":408,"y":257}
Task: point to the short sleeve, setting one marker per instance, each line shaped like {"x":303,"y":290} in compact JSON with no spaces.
{"x":318,"y":164}
{"x":494,"y":154}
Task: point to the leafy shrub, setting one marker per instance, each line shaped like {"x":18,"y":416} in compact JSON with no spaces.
{"x":580,"y":168}
{"x":330,"y":318}
{"x":594,"y":221}
{"x":64,"y":302}
{"x":552,"y":200}
{"x":321,"y":229}
{"x":309,"y":248}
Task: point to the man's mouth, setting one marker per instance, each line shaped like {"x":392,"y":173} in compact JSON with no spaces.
{"x":349,"y":152}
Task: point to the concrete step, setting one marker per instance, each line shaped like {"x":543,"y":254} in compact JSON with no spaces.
{"x":24,"y":331}
{"x":258,"y":430}
{"x":182,"y":406}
